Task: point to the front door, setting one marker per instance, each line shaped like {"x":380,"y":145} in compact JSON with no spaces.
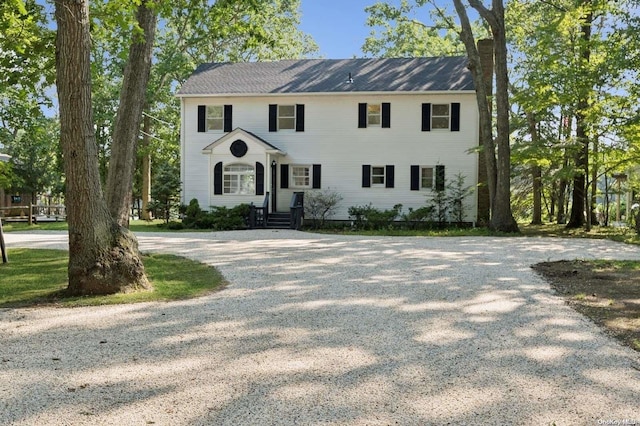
{"x":274,"y":186}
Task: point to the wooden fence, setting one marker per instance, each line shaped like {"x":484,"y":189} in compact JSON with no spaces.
{"x":34,"y":213}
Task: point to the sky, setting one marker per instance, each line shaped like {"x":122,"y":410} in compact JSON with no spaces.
{"x":338,"y":26}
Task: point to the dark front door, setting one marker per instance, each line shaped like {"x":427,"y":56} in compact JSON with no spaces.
{"x":274,"y":186}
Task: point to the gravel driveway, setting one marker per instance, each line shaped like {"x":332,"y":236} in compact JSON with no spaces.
{"x":324,"y":329}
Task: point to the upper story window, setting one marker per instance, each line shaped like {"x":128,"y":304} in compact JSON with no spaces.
{"x":215,"y":118}
{"x":374,"y":114}
{"x":440,"y":116}
{"x":286,"y":117}
{"x":239,"y":179}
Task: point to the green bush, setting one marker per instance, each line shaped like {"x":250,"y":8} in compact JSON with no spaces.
{"x":417,"y":217}
{"x":219,"y":218}
{"x":369,"y":217}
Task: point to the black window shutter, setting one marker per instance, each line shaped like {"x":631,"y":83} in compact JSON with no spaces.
{"x":386,"y":115}
{"x":317,"y":176}
{"x":300,"y":118}
{"x":455,"y":117}
{"x":426,"y":117}
{"x":366,"y":176}
{"x":202,"y":118}
{"x":273,"y":118}
{"x":217,"y":179}
{"x":228,"y":118}
{"x":284,"y":176}
{"x":389,"y":179}
{"x":259,"y":178}
{"x":362,"y":116}
{"x":440,"y":178}
{"x":415,"y":178}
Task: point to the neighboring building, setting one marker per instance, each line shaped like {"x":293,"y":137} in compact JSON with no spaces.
{"x":380,"y":131}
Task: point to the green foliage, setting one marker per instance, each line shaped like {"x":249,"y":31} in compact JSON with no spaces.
{"x":369,"y":217}
{"x":192,"y":215}
{"x":319,"y":205}
{"x":36,"y":158}
{"x":219,"y":218}
{"x":8,"y":178}
{"x":26,"y":46}
{"x":561,"y":76}
{"x":440,"y":203}
{"x":445,"y":205}
{"x":395,"y":34}
{"x":457,"y":193}
{"x":414,"y":218}
{"x":166,"y":192}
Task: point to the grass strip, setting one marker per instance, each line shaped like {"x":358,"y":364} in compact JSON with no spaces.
{"x":39,"y":277}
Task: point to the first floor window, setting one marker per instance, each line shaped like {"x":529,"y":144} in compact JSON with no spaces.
{"x":301,"y":176}
{"x":426,"y":180}
{"x":440,"y":116}
{"x":239,"y":179}
{"x":377,"y":175}
{"x":215,"y":117}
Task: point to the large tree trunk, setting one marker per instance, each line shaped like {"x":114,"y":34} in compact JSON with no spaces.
{"x":580,"y":190}
{"x":502,"y":219}
{"x":499,"y":168}
{"x":129,"y":116}
{"x":483,"y":96}
{"x":103,"y":257}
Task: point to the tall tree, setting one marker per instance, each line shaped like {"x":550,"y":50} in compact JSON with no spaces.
{"x":129,"y":116}
{"x":394,"y":34}
{"x":498,"y":151}
{"x":576,"y":73}
{"x":581,"y":159}
{"x":103,"y":256}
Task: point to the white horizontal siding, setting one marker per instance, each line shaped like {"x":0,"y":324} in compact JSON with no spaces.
{"x":332,"y":138}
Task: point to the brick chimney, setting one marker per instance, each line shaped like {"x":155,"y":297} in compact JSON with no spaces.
{"x":485,"y":50}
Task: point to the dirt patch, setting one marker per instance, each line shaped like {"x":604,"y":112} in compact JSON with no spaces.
{"x":606,"y":292}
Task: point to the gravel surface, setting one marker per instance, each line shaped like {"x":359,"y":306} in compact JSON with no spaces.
{"x":324,"y":329}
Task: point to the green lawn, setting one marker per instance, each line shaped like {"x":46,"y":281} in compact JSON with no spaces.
{"x":38,"y":276}
{"x":136,"y":226}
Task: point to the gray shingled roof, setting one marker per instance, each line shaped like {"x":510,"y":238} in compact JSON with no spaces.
{"x":330,"y":76}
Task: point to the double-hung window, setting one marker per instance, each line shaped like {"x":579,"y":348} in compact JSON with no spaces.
{"x":377,"y":175}
{"x":286,"y":117}
{"x":215,"y":117}
{"x":426,"y":177}
{"x":440,"y":116}
{"x":374,"y":114}
{"x":239,"y":179}
{"x":301,"y":176}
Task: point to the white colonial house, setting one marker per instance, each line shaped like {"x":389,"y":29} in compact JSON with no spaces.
{"x":379,"y":131}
